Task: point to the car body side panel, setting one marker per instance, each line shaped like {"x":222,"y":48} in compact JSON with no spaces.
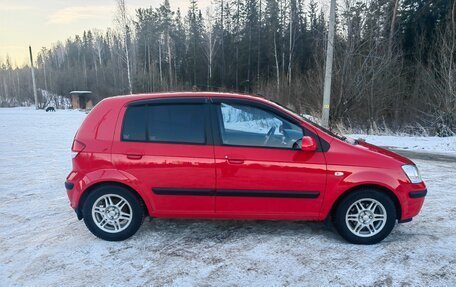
{"x":103,"y":159}
{"x":180,"y":169}
{"x":264,"y":170}
{"x":354,"y":177}
{"x":97,"y":130}
{"x":83,"y":182}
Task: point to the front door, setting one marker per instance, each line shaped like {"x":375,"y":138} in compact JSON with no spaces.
{"x":166,"y":146}
{"x":258,"y":172}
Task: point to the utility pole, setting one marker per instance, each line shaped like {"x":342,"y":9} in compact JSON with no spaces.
{"x":328,"y":69}
{"x":33,"y":78}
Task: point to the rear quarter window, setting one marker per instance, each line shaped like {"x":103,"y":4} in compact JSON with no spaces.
{"x":134,"y":124}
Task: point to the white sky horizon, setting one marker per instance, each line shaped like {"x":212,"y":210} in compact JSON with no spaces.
{"x":43,"y":23}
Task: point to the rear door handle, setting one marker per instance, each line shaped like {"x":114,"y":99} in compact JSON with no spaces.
{"x":134,"y":156}
{"x":234,"y":160}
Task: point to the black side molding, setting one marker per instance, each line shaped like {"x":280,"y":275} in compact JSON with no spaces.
{"x":418,"y":194}
{"x":269,"y":193}
{"x":69,"y":185}
{"x":236,"y":193}
{"x":184,"y":191}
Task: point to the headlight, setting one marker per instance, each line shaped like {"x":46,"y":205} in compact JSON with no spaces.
{"x":412,"y":173}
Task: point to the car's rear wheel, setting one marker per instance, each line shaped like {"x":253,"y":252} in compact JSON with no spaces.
{"x":365,"y":216}
{"x":113,"y":212}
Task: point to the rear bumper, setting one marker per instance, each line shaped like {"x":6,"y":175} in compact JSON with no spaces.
{"x":73,"y":189}
{"x":405,"y":220}
{"x":69,"y":186}
{"x":418,"y":193}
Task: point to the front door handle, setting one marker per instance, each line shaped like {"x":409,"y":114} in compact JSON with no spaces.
{"x":234,"y":160}
{"x":134,"y":156}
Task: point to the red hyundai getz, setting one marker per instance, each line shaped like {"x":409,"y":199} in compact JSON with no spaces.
{"x":211,"y":155}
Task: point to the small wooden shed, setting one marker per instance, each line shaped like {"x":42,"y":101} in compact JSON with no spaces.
{"x":81,"y":100}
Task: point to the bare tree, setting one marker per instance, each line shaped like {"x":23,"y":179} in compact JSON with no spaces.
{"x":393,"y":25}
{"x":437,"y":83}
{"x":210,"y":45}
{"x":160,"y":40}
{"x":290,"y":43}
{"x":123,"y":22}
{"x":260,"y":28}
{"x":451,"y":49}
{"x":276,"y":58}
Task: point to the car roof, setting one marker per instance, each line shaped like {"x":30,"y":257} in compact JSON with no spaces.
{"x":127,"y":99}
{"x":135,"y":97}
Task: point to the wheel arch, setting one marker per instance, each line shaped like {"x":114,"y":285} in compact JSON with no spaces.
{"x":380,"y":188}
{"x":94,"y":186}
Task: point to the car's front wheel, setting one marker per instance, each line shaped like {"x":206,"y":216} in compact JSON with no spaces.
{"x":365,"y":216}
{"x":113,"y":212}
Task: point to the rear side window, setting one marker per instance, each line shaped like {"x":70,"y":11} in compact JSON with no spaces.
{"x":134,"y":124}
{"x":174,"y":123}
{"x":182,"y":123}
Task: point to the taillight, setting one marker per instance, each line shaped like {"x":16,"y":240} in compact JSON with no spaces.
{"x":77,"y":148}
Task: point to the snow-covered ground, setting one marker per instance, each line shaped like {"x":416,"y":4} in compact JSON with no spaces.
{"x":42,"y":242}
{"x":445,"y":145}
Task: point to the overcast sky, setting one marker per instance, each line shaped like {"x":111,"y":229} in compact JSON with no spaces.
{"x":42,"y":22}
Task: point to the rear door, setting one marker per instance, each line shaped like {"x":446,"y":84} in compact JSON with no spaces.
{"x":259,"y":174}
{"x":167,"y":145}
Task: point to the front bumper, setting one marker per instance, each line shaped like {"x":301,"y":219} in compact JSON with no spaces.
{"x":412,"y":201}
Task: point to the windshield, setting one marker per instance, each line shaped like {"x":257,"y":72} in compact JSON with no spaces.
{"x":328,"y":131}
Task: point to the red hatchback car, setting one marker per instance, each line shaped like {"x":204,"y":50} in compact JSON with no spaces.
{"x":213,"y":155}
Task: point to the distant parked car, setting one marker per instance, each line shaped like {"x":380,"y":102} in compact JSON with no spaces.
{"x":210,"y":155}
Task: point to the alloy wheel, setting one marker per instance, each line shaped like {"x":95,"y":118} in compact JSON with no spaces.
{"x":112,"y":213}
{"x":366,"y":217}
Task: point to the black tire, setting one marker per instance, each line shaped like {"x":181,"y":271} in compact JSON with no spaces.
{"x":344,"y":230}
{"x":135,"y":207}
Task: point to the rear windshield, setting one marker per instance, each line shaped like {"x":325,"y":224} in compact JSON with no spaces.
{"x":173,"y":123}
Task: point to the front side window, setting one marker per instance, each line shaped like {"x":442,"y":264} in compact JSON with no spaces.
{"x":174,"y":123}
{"x":245,"y":125}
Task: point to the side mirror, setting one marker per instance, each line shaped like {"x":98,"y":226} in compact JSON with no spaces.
{"x":308,"y":144}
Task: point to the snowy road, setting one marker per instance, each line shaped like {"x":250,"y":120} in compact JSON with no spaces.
{"x":42,"y":242}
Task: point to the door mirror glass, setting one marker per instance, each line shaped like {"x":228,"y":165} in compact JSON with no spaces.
{"x":308,"y":144}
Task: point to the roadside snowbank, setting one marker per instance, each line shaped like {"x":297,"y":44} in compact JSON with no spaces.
{"x":426,"y":144}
